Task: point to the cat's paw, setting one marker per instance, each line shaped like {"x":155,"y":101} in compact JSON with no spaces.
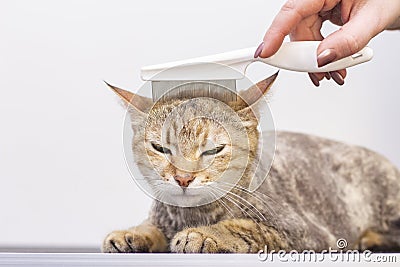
{"x":125,"y":242}
{"x":196,"y":240}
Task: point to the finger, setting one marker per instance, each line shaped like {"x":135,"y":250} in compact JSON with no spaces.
{"x":349,"y":39}
{"x":327,"y":76}
{"x":343,"y":73}
{"x":291,"y":13}
{"x":308,"y":29}
{"x":316,"y":77}
{"x":338,"y":76}
{"x":335,"y":14}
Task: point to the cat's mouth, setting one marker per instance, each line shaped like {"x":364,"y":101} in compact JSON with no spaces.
{"x":188,"y":196}
{"x":185,"y":191}
{"x":184,"y":196}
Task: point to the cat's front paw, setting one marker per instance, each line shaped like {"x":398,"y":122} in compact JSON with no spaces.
{"x":196,"y":240}
{"x":125,"y":242}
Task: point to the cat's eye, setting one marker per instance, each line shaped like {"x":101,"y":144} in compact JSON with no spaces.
{"x":213,"y":151}
{"x":161,"y":149}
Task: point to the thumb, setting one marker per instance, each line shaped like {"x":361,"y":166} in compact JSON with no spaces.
{"x":349,"y":39}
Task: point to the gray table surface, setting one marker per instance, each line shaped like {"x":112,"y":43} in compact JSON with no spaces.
{"x":100,"y":259}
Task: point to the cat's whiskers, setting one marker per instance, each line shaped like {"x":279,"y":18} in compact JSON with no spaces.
{"x":155,"y":181}
{"x":237,"y":203}
{"x":229,"y":191}
{"x":255,"y":194}
{"x":259,"y":215}
{"x":223,"y":204}
{"x":270,"y":210}
{"x":158,"y":183}
{"x":249,"y":216}
{"x":157,"y":191}
{"x":247,"y":190}
{"x":158,"y":186}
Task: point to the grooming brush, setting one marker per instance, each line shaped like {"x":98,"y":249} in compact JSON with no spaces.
{"x":204,"y":76}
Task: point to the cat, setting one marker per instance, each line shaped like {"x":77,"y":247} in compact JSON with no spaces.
{"x":317,"y":190}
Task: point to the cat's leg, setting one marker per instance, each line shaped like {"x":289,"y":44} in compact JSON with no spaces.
{"x":229,"y":236}
{"x":142,"y":238}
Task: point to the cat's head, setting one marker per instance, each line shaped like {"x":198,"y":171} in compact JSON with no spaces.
{"x":183,"y":146}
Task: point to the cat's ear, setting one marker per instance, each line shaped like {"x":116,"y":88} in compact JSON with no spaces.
{"x":252,"y":96}
{"x":139,"y":103}
{"x":256,"y":92}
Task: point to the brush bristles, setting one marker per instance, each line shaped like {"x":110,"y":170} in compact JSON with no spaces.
{"x":223,"y":90}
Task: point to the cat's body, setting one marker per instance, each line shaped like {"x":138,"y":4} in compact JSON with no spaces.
{"x":317,"y":191}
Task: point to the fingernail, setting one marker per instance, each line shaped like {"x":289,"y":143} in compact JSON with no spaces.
{"x":259,"y":50}
{"x":326,"y":57}
{"x":314,"y":79}
{"x":327,"y":76}
{"x":337,"y":77}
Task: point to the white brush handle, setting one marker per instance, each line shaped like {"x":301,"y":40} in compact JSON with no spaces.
{"x":296,"y":56}
{"x":302,"y":56}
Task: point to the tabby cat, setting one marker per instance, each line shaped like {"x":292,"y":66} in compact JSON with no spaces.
{"x":317,"y":190}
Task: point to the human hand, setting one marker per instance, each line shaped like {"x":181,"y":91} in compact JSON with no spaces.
{"x":302,"y":20}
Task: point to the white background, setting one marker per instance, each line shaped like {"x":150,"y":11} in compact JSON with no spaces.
{"x":63,"y":180}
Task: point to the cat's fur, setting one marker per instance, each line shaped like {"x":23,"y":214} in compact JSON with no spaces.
{"x":316,"y":192}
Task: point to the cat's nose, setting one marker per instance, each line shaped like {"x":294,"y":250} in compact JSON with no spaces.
{"x":185,"y":180}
